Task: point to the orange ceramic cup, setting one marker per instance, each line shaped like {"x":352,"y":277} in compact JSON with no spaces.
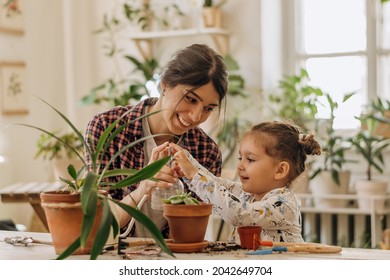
{"x":250,"y":236}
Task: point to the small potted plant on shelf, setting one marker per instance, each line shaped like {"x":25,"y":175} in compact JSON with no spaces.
{"x":212,"y":15}
{"x":330,"y":177}
{"x":187,"y":219}
{"x":371,"y":148}
{"x":92,"y":211}
{"x":50,"y":148}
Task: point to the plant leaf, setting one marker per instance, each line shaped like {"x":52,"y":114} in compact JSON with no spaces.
{"x":145,"y":173}
{"x":104,"y":230}
{"x":148,"y":223}
{"x":70,"y":250}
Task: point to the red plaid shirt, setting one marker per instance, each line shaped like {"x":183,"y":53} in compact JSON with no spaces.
{"x":196,"y":141}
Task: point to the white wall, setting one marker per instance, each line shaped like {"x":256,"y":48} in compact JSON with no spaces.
{"x":64,"y":61}
{"x":41,"y":48}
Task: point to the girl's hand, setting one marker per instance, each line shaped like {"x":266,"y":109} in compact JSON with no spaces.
{"x":175,"y":148}
{"x":183,"y":165}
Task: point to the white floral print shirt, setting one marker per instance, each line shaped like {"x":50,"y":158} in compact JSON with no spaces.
{"x":278,"y":212}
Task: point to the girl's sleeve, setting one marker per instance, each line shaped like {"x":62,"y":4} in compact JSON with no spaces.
{"x":237,"y":207}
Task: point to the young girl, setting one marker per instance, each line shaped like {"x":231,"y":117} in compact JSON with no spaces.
{"x":272,"y":155}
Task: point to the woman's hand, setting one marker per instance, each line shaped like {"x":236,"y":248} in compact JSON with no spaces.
{"x":166,"y":176}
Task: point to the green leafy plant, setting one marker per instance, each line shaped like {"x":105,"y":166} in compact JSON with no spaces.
{"x":140,"y":16}
{"x":370,"y":146}
{"x":181,"y":198}
{"x":143,"y":15}
{"x":122,"y":91}
{"x":234,"y":123}
{"x":51,"y":148}
{"x":89,"y":180}
{"x":123,"y":88}
{"x":334,"y":147}
{"x":297,"y":100}
{"x":236,"y":85}
{"x":378,"y":110}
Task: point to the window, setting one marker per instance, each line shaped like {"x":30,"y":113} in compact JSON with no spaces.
{"x":345,"y":47}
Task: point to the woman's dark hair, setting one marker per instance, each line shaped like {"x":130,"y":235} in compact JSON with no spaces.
{"x":285,"y":141}
{"x":197,"y":65}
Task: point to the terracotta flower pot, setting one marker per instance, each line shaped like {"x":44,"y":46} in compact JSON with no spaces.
{"x":212,"y":17}
{"x":249,"y":236}
{"x":64,"y":217}
{"x":187,"y":223}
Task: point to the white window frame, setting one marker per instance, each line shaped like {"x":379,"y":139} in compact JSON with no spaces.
{"x":295,"y":57}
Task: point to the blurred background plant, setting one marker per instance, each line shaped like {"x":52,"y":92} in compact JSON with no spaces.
{"x":124,"y":88}
{"x":297,"y":100}
{"x":51,"y":148}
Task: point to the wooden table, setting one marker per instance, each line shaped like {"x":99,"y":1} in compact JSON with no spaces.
{"x":46,"y":252}
{"x":29,"y":192}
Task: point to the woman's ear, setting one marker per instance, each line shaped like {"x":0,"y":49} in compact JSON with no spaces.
{"x":282,"y":171}
{"x":163,"y":86}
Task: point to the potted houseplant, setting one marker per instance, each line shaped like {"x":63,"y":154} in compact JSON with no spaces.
{"x":297,"y":100}
{"x":86,"y":192}
{"x":49,"y":148}
{"x":329,"y":177}
{"x":379,"y":109}
{"x":370,"y":147}
{"x":187,"y":219}
{"x":212,"y":15}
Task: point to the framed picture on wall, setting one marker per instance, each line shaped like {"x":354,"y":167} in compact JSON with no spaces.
{"x":14,"y":99}
{"x":11,"y":16}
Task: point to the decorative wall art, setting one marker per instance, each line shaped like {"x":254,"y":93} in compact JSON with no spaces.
{"x":14,"y":98}
{"x":11,"y":17}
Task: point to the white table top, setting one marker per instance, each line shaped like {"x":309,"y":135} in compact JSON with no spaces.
{"x":46,"y":252}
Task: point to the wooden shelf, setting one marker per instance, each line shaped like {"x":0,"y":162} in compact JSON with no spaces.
{"x":144,"y":40}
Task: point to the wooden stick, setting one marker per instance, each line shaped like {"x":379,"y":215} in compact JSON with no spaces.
{"x":271,"y":243}
{"x":134,"y":242}
{"x":320,"y":248}
{"x":301,"y":247}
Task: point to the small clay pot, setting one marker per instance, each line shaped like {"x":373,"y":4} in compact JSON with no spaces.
{"x":249,"y":236}
{"x":187,"y":223}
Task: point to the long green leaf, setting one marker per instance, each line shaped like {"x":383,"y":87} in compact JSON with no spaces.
{"x":54,"y":136}
{"x":104,"y":230}
{"x":88,"y":193}
{"x":123,"y":149}
{"x":70,"y":250}
{"x":145,"y":173}
{"x":79,"y":135}
{"x":118,"y":172}
{"x":110,"y":133}
{"x":148,"y":223}
{"x":89,"y":204}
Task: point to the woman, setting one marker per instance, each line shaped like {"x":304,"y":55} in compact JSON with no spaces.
{"x":193,"y":84}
